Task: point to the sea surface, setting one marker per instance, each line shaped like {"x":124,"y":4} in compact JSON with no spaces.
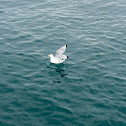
{"x":88,"y":89}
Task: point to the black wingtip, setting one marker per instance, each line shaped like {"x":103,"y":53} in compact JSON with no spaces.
{"x":66,"y":45}
{"x":67,"y":57}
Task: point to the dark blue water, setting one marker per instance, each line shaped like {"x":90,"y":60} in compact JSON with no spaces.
{"x":88,"y":89}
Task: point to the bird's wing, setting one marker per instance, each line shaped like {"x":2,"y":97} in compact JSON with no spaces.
{"x":61,"y":50}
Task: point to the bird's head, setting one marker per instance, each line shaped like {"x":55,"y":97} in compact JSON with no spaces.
{"x":50,"y":55}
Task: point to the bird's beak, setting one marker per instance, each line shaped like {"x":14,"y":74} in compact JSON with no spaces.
{"x":48,"y":55}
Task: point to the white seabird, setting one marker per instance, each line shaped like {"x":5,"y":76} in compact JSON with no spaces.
{"x":59,"y":57}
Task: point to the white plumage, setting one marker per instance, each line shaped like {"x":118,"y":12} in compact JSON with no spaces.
{"x":59,"y":57}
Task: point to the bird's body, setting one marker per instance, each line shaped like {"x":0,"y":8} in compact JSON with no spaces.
{"x":59,"y":57}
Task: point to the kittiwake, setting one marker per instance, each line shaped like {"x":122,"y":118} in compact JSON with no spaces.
{"x":59,"y":57}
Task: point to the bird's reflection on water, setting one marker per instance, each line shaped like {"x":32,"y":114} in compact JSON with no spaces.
{"x":57,"y":72}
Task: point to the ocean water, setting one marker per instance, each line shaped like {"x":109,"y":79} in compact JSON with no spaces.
{"x":88,"y":89}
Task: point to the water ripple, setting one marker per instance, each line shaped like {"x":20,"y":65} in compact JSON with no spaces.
{"x":88,"y":88}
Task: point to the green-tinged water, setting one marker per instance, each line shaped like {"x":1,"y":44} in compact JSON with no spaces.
{"x":88,"y":89}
